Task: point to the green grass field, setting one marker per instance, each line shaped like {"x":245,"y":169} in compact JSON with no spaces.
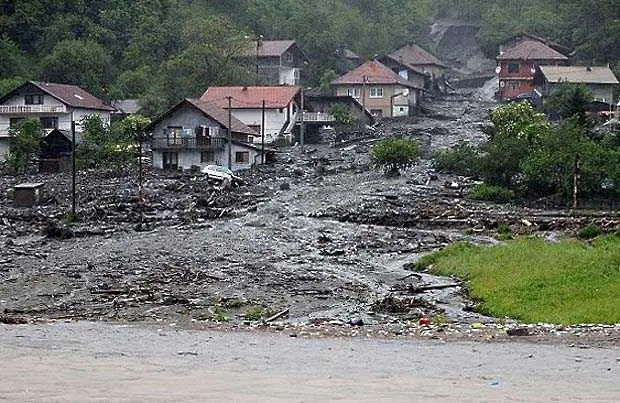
{"x":534,"y":281}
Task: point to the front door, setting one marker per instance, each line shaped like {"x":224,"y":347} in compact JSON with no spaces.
{"x":171,"y":160}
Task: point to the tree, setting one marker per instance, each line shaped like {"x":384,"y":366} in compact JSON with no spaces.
{"x":326,"y":79}
{"x":394,"y":154}
{"x":80,"y":62}
{"x":570,"y":163}
{"x":517,"y":129}
{"x":569,"y":101}
{"x":24,"y":144}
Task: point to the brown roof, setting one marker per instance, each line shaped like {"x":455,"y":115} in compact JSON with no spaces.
{"x":212,"y":111}
{"x":552,"y":44}
{"x":579,"y":74}
{"x":531,"y":50}
{"x":372,"y":72}
{"x":268,"y":48}
{"x":275,"y":97}
{"x":72,"y":95}
{"x":413,"y":55}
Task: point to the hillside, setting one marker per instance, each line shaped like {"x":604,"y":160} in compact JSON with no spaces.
{"x":162,"y":51}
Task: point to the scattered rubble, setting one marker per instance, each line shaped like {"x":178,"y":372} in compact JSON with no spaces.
{"x":319,"y":240}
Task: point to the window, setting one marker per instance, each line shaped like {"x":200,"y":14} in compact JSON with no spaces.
{"x":242,"y":157}
{"x":513,"y":85}
{"x":14,"y":122}
{"x":288,"y":56}
{"x":49,"y":122}
{"x":513,"y":67}
{"x":376,"y":113}
{"x":376,"y":92}
{"x":173,"y":135}
{"x":33,"y":99}
{"x":353,"y":92}
{"x":207,"y":156}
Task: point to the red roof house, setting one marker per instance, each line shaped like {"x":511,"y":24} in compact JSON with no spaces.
{"x":517,"y":67}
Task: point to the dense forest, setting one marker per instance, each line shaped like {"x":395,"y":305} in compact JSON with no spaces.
{"x":163,"y":50}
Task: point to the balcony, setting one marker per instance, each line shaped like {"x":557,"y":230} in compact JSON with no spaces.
{"x":188,"y":143}
{"x":316,"y":117}
{"x":12,"y":109}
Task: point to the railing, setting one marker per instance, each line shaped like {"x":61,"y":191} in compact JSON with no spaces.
{"x":316,"y":117}
{"x":188,"y":143}
{"x":33,"y":109}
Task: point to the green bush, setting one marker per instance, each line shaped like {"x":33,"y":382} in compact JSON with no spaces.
{"x":395,"y":153}
{"x":492,"y":193}
{"x":461,"y":159}
{"x":589,"y":231}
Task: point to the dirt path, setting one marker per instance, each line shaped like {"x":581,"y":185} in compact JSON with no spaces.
{"x":95,"y":362}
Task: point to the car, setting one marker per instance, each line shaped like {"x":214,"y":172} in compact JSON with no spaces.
{"x":220,"y":174}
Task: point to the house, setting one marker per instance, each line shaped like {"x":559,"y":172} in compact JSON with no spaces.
{"x":410,"y":73}
{"x":55,"y":151}
{"x":346,"y":60}
{"x":195,"y":133}
{"x":601,"y":81}
{"x":55,"y":105}
{"x":318,"y":113}
{"x":417,"y":60}
{"x":379,"y":89}
{"x":276,"y":62}
{"x":517,"y":65}
{"x":124,"y":108}
{"x":246,"y":103}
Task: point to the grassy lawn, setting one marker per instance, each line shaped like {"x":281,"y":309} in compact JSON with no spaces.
{"x":534,"y":281}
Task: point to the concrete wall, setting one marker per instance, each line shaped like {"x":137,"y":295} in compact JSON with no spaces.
{"x":274,"y":120}
{"x":383,"y":104}
{"x":191,"y":157}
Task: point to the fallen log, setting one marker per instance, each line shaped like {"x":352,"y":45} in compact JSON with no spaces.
{"x":416,"y":290}
{"x":277,"y":315}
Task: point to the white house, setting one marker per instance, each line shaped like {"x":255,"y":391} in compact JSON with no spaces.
{"x":55,"y":105}
{"x":195,"y":133}
{"x":246,"y":103}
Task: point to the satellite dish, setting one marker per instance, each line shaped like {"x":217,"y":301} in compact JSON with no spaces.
{"x":498,"y":69}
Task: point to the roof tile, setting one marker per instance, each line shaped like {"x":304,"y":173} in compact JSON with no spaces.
{"x":413,"y":55}
{"x":372,"y":72}
{"x":72,"y":95}
{"x":531,"y":50}
{"x":251,"y":97}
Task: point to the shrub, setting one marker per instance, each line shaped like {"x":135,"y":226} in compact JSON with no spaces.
{"x":395,"y":153}
{"x":461,"y":159}
{"x":492,"y":193}
{"x":589,"y":231}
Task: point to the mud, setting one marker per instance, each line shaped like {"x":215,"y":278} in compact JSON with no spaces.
{"x":321,"y":234}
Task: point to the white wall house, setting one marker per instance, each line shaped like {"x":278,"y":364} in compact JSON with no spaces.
{"x":281,"y":107}
{"x":195,"y":133}
{"x":55,"y":105}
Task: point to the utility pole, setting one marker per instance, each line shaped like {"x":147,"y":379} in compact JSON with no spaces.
{"x":73,"y":169}
{"x":259,"y":43}
{"x":301,"y":126}
{"x":364,"y":92}
{"x":140,"y":201}
{"x":262,"y":137}
{"x":229,"y":132}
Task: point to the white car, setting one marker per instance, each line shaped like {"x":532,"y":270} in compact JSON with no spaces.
{"x":220,"y":174}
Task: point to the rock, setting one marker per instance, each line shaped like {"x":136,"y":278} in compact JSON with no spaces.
{"x":285,"y":186}
{"x":356,"y":321}
{"x":520,"y":331}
